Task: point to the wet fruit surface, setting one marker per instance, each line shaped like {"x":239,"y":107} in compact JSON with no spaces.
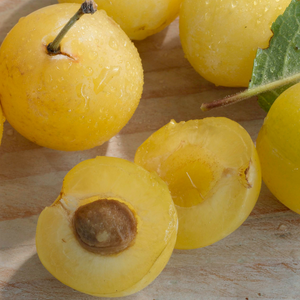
{"x":77,"y":99}
{"x":220,"y":38}
{"x":139,"y":19}
{"x":213,"y":173}
{"x":112,"y":229}
{"x":278,"y":146}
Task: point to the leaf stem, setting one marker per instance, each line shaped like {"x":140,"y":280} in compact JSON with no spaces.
{"x":250,"y":93}
{"x":88,"y":7}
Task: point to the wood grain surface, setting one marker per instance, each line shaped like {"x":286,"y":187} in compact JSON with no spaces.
{"x":260,"y":260}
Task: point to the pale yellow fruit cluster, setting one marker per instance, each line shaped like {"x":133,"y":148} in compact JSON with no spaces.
{"x":115,"y":223}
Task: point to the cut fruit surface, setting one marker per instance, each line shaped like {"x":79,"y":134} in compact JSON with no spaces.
{"x":141,"y":194}
{"x":212,"y":170}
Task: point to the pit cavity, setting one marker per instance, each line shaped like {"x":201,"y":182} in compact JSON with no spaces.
{"x":191,"y":183}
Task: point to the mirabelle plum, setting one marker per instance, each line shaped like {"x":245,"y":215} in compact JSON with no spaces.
{"x":220,"y":38}
{"x":2,"y":119}
{"x":278,"y":147}
{"x":213,"y":172}
{"x":77,"y":99}
{"x":137,"y":18}
{"x":112,"y":229}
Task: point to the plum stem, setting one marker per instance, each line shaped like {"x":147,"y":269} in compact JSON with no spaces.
{"x":88,"y":7}
{"x":250,"y":92}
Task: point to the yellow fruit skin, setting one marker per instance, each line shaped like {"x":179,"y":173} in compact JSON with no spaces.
{"x":2,"y":119}
{"x":278,"y":147}
{"x":130,"y":270}
{"x":75,"y":101}
{"x":139,"y":19}
{"x":214,"y":158}
{"x":220,"y":38}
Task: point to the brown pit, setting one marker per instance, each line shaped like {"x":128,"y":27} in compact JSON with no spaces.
{"x":105,"y":226}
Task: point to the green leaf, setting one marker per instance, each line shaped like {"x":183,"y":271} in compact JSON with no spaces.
{"x":281,"y":59}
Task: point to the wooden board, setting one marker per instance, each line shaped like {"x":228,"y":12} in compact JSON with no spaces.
{"x":260,"y":260}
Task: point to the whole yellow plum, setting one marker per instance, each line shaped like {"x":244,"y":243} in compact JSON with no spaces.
{"x":220,"y":37}
{"x":76,"y":99}
{"x":278,"y":147}
{"x":139,"y":19}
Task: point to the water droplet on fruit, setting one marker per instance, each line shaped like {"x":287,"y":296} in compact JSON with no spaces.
{"x":113,"y":44}
{"x":88,"y":71}
{"x":49,"y":78}
{"x":93,"y":55}
{"x":82,"y":94}
{"x":67,"y":66}
{"x":105,"y":76}
{"x":233,"y":3}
